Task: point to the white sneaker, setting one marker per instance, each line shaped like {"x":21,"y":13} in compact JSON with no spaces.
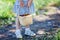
{"x":18,"y":33}
{"x":29,"y":32}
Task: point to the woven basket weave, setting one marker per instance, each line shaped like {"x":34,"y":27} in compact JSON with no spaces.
{"x":26,"y":20}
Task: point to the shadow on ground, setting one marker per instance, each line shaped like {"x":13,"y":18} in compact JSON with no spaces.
{"x":39,"y":27}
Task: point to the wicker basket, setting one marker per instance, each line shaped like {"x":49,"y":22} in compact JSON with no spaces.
{"x":26,"y":20}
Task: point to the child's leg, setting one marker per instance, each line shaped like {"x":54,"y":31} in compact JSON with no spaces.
{"x":18,"y":31}
{"x":28,"y":31}
{"x":17,"y":24}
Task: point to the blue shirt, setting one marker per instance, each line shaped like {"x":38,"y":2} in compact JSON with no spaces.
{"x":23,"y":10}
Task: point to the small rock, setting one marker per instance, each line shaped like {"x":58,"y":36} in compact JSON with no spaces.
{"x":41,"y":32}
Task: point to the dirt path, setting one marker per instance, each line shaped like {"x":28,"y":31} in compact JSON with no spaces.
{"x":41,"y":25}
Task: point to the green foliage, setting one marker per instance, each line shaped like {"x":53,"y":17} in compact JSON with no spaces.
{"x":58,"y":35}
{"x":5,"y":10}
{"x":6,"y":13}
{"x":39,"y":4}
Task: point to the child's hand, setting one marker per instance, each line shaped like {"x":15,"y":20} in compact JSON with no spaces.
{"x":29,"y":5}
{"x":21,"y":4}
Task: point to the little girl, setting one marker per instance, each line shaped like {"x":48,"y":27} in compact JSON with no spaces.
{"x":23,"y":8}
